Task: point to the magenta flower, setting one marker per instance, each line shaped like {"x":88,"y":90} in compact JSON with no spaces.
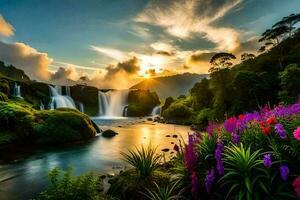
{"x":231,"y":125}
{"x":297,"y":133}
{"x":218,"y":157}
{"x":209,"y":180}
{"x":280,"y":131}
{"x":267,"y":160}
{"x":284,"y":172}
{"x":190,"y":157}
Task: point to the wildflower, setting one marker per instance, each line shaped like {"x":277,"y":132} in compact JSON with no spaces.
{"x":297,"y":133}
{"x":176,"y":148}
{"x":211,"y":128}
{"x":230,"y":125}
{"x":194,"y":180}
{"x":271,"y":120}
{"x":209,"y":180}
{"x":265,"y":128}
{"x":296,"y":185}
{"x":267,"y":160}
{"x":280,"y":131}
{"x":190,"y":157}
{"x":235,"y":138}
{"x":284,"y":172}
{"x":218,"y":157}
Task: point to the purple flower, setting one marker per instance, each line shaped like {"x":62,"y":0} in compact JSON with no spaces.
{"x":218,"y":157}
{"x":209,"y":180}
{"x":190,"y":157}
{"x":231,"y":125}
{"x":235,"y":138}
{"x":280,"y":131}
{"x":211,"y":128}
{"x":194,"y":179}
{"x":284,"y":172}
{"x":267,"y":160}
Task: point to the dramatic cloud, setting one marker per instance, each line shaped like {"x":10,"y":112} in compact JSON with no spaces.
{"x":185,"y":18}
{"x":5,"y":28}
{"x":34,"y":63}
{"x":62,"y":74}
{"x":110,"y":52}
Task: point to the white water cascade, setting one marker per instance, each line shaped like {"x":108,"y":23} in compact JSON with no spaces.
{"x":17,"y":91}
{"x":112,"y":103}
{"x":81,"y":107}
{"x":156,"y":111}
{"x":60,"y":101}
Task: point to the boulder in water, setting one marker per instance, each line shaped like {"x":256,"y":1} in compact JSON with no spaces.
{"x":109,"y":133}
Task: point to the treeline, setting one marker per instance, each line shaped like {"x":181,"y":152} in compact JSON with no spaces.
{"x":271,"y":78}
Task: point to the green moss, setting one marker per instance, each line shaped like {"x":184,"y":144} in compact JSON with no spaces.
{"x":4,"y":86}
{"x":27,"y":125}
{"x":3,"y":97}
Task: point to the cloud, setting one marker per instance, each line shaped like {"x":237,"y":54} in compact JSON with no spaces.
{"x":34,"y":63}
{"x":62,"y":74}
{"x":140,"y":31}
{"x":6,"y":29}
{"x":110,"y":52}
{"x":184,"y":19}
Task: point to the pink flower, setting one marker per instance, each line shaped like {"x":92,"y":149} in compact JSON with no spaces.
{"x":296,"y":185}
{"x":297,"y":133}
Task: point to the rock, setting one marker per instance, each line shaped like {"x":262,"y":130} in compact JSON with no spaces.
{"x":172,"y":142}
{"x":175,"y":136}
{"x":149,"y":119}
{"x":109,"y":133}
{"x":165,"y":150}
{"x":168,"y":135}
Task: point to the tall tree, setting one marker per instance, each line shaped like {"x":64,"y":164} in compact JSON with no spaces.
{"x":289,"y":21}
{"x":247,"y":56}
{"x":221,"y":61}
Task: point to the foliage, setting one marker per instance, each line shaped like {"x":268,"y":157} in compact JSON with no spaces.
{"x":242,"y":172}
{"x":144,"y":160}
{"x":290,"y":83}
{"x":177,"y":111}
{"x":66,"y":186}
{"x":162,"y":193}
{"x":3,"y":97}
{"x":141,"y":102}
{"x":221,"y":61}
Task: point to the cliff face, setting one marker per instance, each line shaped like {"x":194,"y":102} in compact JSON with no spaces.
{"x":88,"y":96}
{"x":141,"y":102}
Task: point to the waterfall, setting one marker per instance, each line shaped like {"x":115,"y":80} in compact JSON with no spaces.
{"x":60,"y":101}
{"x":81,"y":107}
{"x":42,"y":106}
{"x":112,"y":103}
{"x":17,"y":91}
{"x":125,"y":112}
{"x":156,"y":111}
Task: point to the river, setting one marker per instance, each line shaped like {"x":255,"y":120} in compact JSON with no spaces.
{"x":26,"y":178}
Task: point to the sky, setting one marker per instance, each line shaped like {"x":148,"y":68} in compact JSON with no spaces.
{"x":117,"y":43}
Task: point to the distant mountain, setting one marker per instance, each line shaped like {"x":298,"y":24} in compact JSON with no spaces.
{"x":170,"y":86}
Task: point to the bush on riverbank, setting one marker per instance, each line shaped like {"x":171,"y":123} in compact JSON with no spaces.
{"x":26,"y":125}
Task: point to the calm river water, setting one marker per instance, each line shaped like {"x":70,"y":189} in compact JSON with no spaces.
{"x":26,"y":178}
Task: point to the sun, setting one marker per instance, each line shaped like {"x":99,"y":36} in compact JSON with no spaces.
{"x":147,"y":75}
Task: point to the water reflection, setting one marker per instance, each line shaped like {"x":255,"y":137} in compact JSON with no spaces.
{"x":24,"y":179}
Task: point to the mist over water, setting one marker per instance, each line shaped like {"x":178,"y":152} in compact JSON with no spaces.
{"x":112,"y":103}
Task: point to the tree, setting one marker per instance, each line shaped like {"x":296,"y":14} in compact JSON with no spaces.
{"x":289,"y":21}
{"x":247,"y":56}
{"x":290,"y":83}
{"x":202,"y":95}
{"x":221,"y":61}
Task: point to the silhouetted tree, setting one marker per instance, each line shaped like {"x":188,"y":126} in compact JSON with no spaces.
{"x":221,"y":61}
{"x":247,"y":56}
{"x":289,"y":21}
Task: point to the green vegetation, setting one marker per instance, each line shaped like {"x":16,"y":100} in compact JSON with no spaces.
{"x":270,"y":78}
{"x":65,"y":186}
{"x":26,"y":125}
{"x":141,"y":102}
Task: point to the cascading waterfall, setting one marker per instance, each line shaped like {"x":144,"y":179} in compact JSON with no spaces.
{"x":112,"y":103}
{"x":42,"y":106}
{"x":156,"y":111}
{"x":81,"y":107}
{"x":17,"y":91}
{"x":60,"y":101}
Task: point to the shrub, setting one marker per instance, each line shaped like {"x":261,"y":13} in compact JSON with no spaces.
{"x":163,"y":193}
{"x":63,"y":185}
{"x":242,"y":171}
{"x":177,"y":111}
{"x":145,"y":161}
